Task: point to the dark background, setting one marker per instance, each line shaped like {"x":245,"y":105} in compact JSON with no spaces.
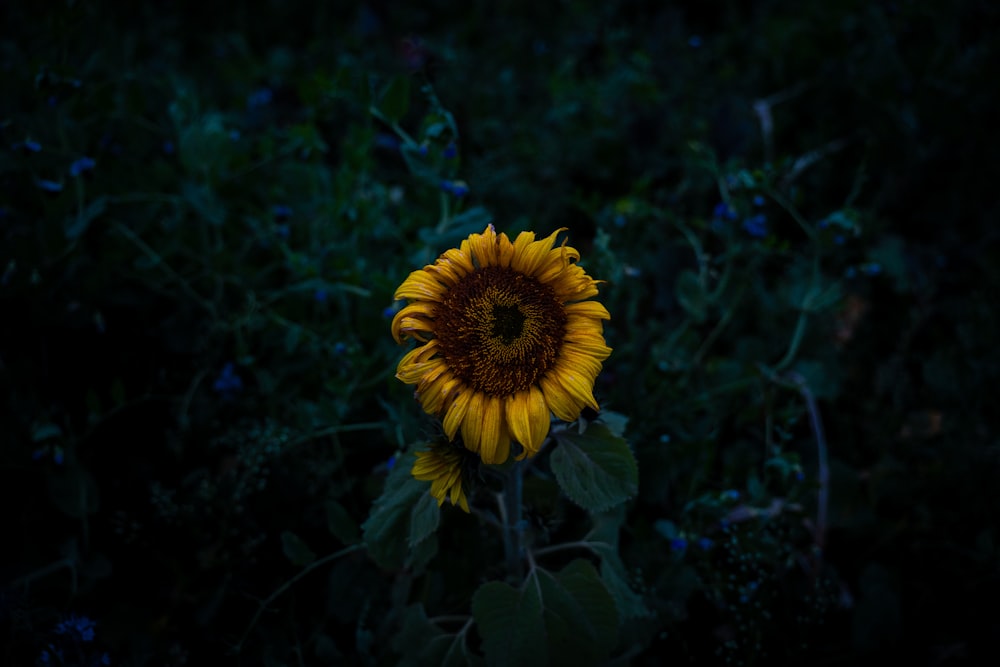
{"x":243,"y":210}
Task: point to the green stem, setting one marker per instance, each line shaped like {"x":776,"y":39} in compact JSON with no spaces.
{"x":511,"y":509}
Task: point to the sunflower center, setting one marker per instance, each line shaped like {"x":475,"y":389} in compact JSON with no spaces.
{"x":499,"y":330}
{"x":508,"y":323}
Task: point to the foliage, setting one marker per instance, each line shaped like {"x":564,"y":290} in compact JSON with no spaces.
{"x":205,"y":214}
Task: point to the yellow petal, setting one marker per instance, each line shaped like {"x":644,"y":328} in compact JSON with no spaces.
{"x":573,"y":361}
{"x":533,"y":257}
{"x":456,"y":413}
{"x":490,"y":449}
{"x":588,"y":309}
{"x":505,"y":250}
{"x":414,"y":373}
{"x":558,"y":399}
{"x":472,"y":425}
{"x":578,"y":385}
{"x":587,"y":345}
{"x":528,"y":419}
{"x":484,"y":247}
{"x":411,"y":327}
{"x":432,"y":394}
{"x":421,"y":285}
{"x":457,"y":259}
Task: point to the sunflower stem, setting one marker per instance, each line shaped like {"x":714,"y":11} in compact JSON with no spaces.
{"x":512,"y":521}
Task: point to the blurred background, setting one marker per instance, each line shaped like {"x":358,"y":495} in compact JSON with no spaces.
{"x":205,"y":211}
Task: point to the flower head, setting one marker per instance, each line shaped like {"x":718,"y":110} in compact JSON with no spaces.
{"x":443,"y":467}
{"x":508,"y":338}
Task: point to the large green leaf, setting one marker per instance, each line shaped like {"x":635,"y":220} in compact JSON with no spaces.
{"x":564,"y":619}
{"x":421,"y":642}
{"x":596,"y":468}
{"x":386,"y":532}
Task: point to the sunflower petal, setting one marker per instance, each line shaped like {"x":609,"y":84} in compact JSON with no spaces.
{"x":456,"y":413}
{"x":489,"y":448}
{"x":588,"y":309}
{"x":505,"y":251}
{"x":559,"y":401}
{"x":528,"y":419}
{"x":578,"y":386}
{"x":484,"y":247}
{"x":533,"y":257}
{"x":421,"y":285}
{"x":472,"y":425}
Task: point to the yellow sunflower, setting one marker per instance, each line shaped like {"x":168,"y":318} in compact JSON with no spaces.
{"x":507,"y":337}
{"x":442,"y":467}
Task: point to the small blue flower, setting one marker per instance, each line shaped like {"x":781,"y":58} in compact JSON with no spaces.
{"x":756,"y":226}
{"x":80,"y":627}
{"x":450,"y":151}
{"x":678,"y":544}
{"x":731,"y":494}
{"x":168,"y":147}
{"x":391,"y":463}
{"x":49,"y":186}
{"x":228,"y":383}
{"x":259,"y":98}
{"x":456,"y":188}
{"x":339,"y":348}
{"x":281,"y":211}
{"x":32,"y":145}
{"x":81,"y":165}
{"x":390,"y":311}
{"x":704,"y":543}
{"x":723,"y":211}
{"x":620,"y":220}
{"x":234,"y":135}
{"x":839,"y":239}
{"x":694,"y":41}
{"x":320,"y":295}
{"x":758,"y":200}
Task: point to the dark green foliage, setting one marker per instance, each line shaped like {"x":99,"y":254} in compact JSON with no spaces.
{"x":205,"y":211}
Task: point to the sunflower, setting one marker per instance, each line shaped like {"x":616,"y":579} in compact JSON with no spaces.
{"x":508,"y":337}
{"x":442,"y":467}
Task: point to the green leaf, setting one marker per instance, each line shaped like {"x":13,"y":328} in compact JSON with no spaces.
{"x":420,"y":642}
{"x":615,"y":421}
{"x":424,"y":519}
{"x":74,"y":492}
{"x":563,"y":619}
{"x":76,"y":225}
{"x":297,"y":551}
{"x":596,"y":469}
{"x":510,"y":622}
{"x":386,"y":532}
{"x":395,"y":99}
{"x":341,"y":524}
{"x":691,"y":295}
{"x":603,"y":538}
